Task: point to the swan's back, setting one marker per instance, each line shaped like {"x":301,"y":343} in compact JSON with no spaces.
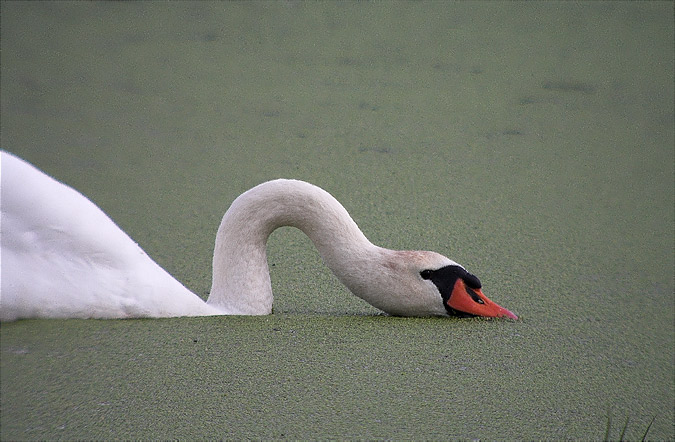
{"x":62,"y":256}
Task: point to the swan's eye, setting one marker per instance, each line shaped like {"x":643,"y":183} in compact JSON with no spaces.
{"x":425,"y":274}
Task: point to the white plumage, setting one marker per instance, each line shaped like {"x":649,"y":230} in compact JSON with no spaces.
{"x":62,"y":257}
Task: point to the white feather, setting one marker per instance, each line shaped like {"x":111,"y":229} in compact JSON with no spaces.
{"x":62,"y":257}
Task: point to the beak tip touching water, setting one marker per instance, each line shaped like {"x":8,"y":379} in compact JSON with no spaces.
{"x":505,"y":313}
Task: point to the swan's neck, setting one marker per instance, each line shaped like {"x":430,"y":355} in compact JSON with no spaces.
{"x":241,"y":281}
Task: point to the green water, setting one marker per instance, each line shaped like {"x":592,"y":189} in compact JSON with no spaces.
{"x":531,"y":142}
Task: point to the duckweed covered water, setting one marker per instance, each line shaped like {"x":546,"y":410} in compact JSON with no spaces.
{"x":532,"y":143}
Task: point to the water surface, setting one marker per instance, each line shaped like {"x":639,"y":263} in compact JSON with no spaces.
{"x":532,"y":142}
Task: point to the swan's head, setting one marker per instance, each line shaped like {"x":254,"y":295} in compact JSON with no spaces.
{"x":415,"y":283}
{"x":461,"y":293}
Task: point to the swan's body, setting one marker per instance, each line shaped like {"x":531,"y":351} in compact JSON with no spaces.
{"x":62,"y":257}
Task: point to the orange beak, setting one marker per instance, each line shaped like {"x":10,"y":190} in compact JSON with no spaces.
{"x":472,"y":301}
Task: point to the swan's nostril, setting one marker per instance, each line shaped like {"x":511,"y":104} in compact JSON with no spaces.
{"x":475,"y":296}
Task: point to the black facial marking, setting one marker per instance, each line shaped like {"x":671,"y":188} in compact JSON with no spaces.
{"x":457,"y":314}
{"x":445,"y":279}
{"x":471,"y":280}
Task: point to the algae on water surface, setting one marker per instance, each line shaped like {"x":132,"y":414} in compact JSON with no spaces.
{"x":532,"y":143}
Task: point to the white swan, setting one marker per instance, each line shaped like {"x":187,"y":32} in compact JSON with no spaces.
{"x":62,"y":257}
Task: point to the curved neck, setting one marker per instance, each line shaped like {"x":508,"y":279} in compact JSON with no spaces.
{"x":241,"y":281}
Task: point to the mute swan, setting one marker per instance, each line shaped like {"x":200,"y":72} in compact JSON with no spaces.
{"x":62,"y":257}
